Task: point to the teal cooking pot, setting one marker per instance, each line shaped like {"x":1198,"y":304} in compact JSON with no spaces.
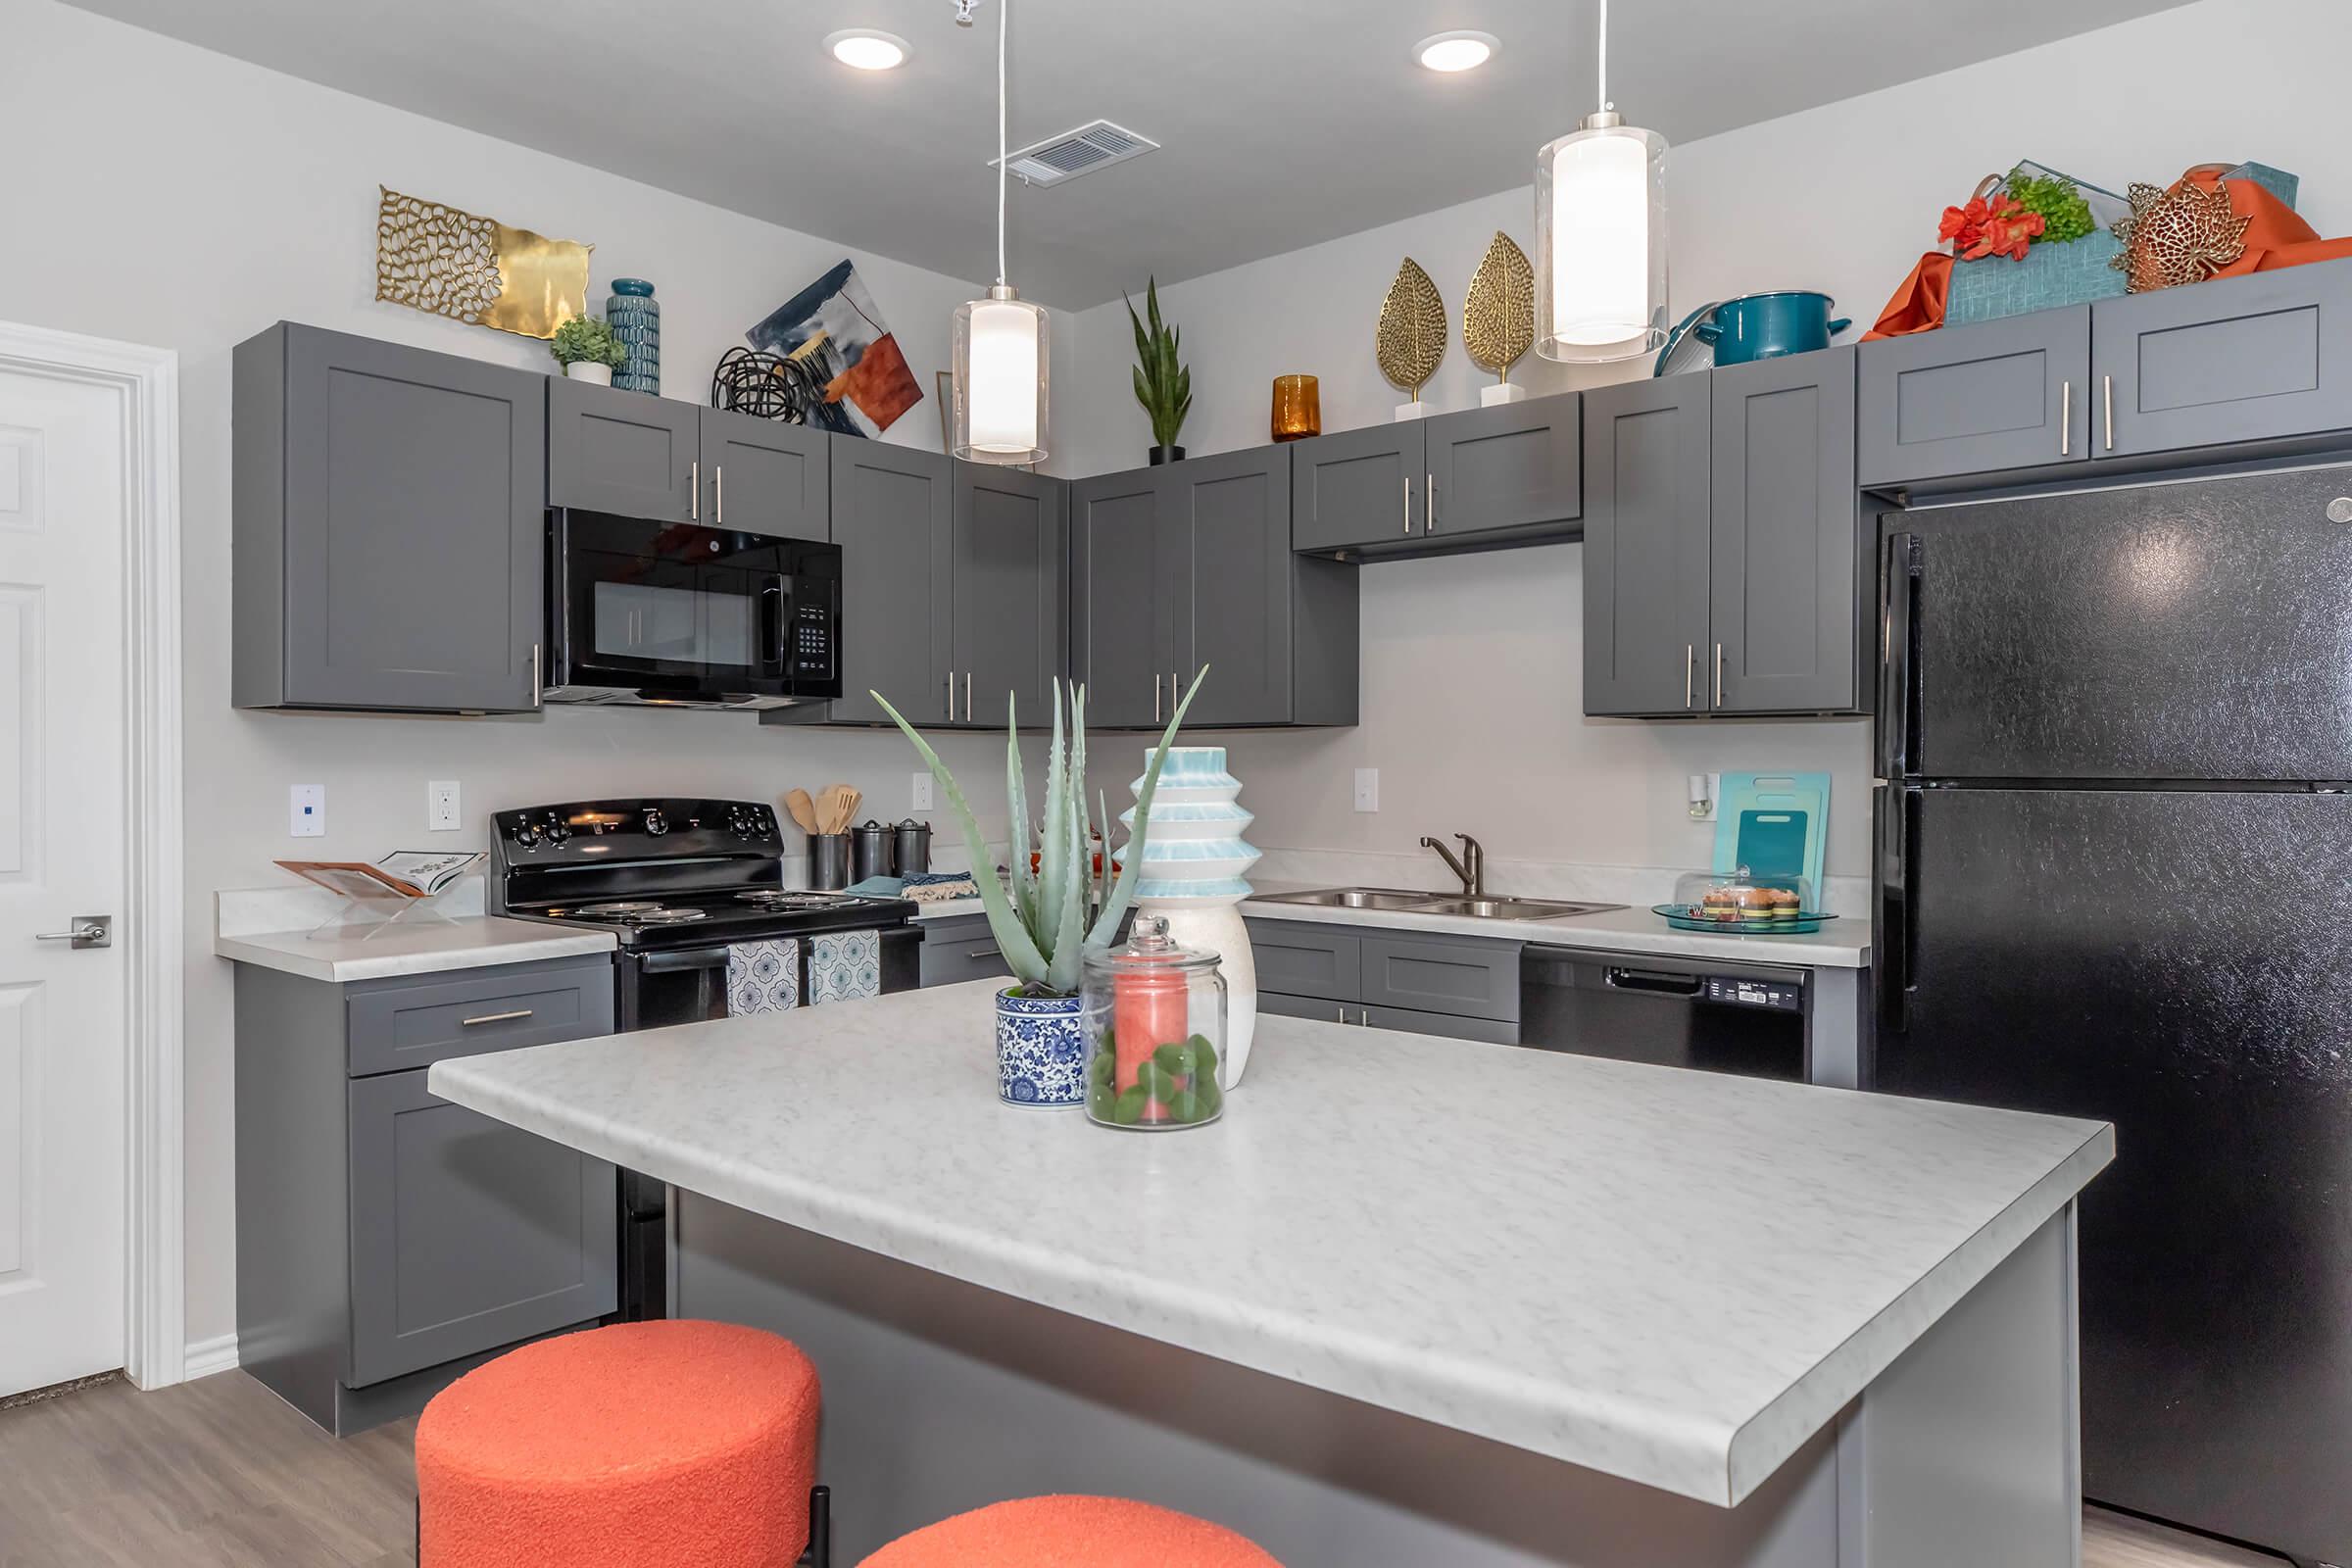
{"x":1758,"y":326}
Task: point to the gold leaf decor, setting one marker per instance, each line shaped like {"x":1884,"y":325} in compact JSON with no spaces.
{"x":2183,"y":235}
{"x":1411,"y":337}
{"x":445,"y":262}
{"x":1499,"y":318}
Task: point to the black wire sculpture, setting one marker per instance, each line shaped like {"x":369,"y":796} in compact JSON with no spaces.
{"x":775,"y":387}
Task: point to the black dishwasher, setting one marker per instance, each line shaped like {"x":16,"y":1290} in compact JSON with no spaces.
{"x":1712,"y":1014}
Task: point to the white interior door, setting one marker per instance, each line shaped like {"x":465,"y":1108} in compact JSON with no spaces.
{"x":63,"y":826}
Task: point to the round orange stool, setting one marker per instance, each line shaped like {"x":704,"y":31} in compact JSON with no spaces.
{"x":638,"y":1445}
{"x":1072,"y":1533}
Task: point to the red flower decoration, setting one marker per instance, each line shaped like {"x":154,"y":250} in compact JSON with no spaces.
{"x":2001,"y":227}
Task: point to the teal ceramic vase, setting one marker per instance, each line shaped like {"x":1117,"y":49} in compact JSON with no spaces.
{"x":635,"y":316}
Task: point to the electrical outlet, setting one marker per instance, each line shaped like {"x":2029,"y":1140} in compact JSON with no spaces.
{"x":919,"y":792}
{"x":309,"y":812}
{"x":441,"y":806}
{"x":1367,"y":789}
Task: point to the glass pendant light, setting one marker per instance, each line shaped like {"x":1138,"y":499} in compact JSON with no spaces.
{"x":1002,"y":365}
{"x":1600,"y":237}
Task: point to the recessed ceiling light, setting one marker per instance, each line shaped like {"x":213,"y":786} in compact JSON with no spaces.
{"x":866,"y":49}
{"x":1456,"y":50}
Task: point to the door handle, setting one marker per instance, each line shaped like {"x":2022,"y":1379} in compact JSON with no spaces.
{"x":694,"y":490}
{"x":1363,"y":1016}
{"x":1408,"y":504}
{"x":1343,"y":1015}
{"x":1689,"y":669}
{"x":87,"y":931}
{"x":1429,"y":506}
{"x":967,"y":697}
{"x":1898,"y":608}
{"x":1719,"y":674}
{"x":718,"y":490}
{"x":2065,"y":419}
{"x":951,"y":697}
{"x":538,"y":687}
{"x":1156,"y":718}
{"x":2107,"y":398}
{"x":496,"y":1017}
{"x":1662,"y":982}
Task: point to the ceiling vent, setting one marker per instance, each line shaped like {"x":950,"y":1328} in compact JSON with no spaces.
{"x":1092,"y":146}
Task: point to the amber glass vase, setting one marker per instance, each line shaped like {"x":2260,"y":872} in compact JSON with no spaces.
{"x":1298,"y":408}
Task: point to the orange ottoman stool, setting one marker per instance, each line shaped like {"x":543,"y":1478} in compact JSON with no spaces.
{"x":638,"y":1445}
{"x":1072,"y":1533}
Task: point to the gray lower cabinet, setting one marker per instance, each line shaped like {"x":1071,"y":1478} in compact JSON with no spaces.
{"x":766,"y":476}
{"x":389,"y":521}
{"x":1308,"y":959}
{"x":1358,"y":488}
{"x":389,"y":1241}
{"x":1456,"y":975}
{"x":2013,"y":393}
{"x":960,"y":947}
{"x":2238,"y":359}
{"x":1405,"y":1021}
{"x":1010,"y":596}
{"x":1384,"y":977}
{"x":1646,"y":546}
{"x":1509,"y":474}
{"x":624,"y":451}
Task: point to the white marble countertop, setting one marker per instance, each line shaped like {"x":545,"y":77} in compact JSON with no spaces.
{"x":424,"y":946}
{"x":1672,"y":1277}
{"x":1841,"y":944}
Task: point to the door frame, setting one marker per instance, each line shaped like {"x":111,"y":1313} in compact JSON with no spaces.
{"x":155,"y":1176}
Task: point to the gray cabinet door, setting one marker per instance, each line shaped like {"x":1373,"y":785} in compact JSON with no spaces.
{"x":2008,"y":394}
{"x":1786,"y":603}
{"x":1010,"y":593}
{"x":1276,"y":1005}
{"x":1302,"y":960}
{"x":894,"y":517}
{"x":2238,"y":358}
{"x":622,"y":452}
{"x":960,"y":949}
{"x":1440,"y":974}
{"x":1126,"y":581}
{"x":394,"y":1025}
{"x":766,"y":476}
{"x":1231,"y":516}
{"x":1646,"y":546}
{"x":1517,"y":465}
{"x":1447,"y":1026}
{"x":412,"y":524}
{"x":1358,"y":487}
{"x":466,"y":1233}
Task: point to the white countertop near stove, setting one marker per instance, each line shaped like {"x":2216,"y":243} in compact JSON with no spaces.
{"x":270,"y":927}
{"x":1671,"y":1277}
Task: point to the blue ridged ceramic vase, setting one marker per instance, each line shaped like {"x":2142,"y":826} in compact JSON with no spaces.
{"x":635,"y":316}
{"x":1195,"y":862}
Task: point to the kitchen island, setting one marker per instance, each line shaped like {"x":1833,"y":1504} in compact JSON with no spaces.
{"x":1411,"y":1301}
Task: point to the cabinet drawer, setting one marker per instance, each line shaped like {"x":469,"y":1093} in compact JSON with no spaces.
{"x":1427,"y":974}
{"x":1276,"y":1005}
{"x":1307,"y":960}
{"x":956,"y":951}
{"x":401,"y":1024}
{"x":1494,"y":1031}
{"x":466,"y":1233}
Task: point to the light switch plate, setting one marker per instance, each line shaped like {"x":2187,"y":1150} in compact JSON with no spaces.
{"x":1367,"y":789}
{"x":308,"y":812}
{"x":441,"y":806}
{"x":918,"y":792}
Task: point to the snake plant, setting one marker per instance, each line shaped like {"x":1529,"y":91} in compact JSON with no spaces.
{"x":1041,"y":922}
{"x":1161,"y":385}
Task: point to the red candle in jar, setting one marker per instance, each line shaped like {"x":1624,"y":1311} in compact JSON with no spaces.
{"x":1150,"y":1007}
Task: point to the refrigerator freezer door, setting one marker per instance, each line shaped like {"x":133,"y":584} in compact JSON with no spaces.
{"x":2180,"y":964}
{"x":2180,"y":631}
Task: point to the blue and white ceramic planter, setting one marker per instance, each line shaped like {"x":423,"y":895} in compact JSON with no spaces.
{"x":1041,"y":1049}
{"x":635,"y":317}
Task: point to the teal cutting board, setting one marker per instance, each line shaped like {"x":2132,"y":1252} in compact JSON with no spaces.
{"x":1776,"y":825}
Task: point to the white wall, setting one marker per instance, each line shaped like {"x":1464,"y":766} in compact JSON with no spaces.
{"x":1472,"y":667}
{"x":169,"y":196}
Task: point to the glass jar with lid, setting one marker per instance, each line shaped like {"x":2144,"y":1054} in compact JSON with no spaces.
{"x":1155,"y":1019}
{"x":1744,"y":901}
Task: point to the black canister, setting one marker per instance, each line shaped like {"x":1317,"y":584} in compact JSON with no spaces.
{"x":913,"y":851}
{"x":870,"y":851}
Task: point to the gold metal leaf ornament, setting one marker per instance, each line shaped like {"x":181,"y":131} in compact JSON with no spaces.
{"x":2183,"y":235}
{"x":1411,"y":337}
{"x":1499,"y":318}
{"x":450,"y":263}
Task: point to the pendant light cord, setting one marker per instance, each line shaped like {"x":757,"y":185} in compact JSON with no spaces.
{"x":1604,"y":54}
{"x":1004,"y":19}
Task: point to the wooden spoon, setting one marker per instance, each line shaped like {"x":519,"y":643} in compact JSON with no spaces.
{"x":803,"y":809}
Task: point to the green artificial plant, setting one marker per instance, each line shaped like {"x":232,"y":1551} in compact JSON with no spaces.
{"x":1041,"y":923}
{"x":588,"y":339}
{"x":2065,"y":215}
{"x":1161,"y":385}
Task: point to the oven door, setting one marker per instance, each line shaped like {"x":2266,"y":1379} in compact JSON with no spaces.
{"x":691,"y":613}
{"x":689,"y":985}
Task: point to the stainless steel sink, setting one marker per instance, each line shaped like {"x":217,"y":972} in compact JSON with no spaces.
{"x":1356,"y":898}
{"x":1402,"y":902}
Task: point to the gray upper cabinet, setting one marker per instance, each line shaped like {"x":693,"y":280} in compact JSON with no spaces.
{"x":2238,"y":359}
{"x":1785,"y":599}
{"x":765,"y":477}
{"x":1131,"y":597}
{"x":624,"y":451}
{"x":894,"y":512}
{"x":1009,"y":594}
{"x":1647,"y":542}
{"x":1512,"y":470}
{"x":1357,"y":488}
{"x":389,"y":524}
{"x":2013,"y":393}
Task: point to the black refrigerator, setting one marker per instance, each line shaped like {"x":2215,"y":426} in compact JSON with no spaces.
{"x":2114,"y":879}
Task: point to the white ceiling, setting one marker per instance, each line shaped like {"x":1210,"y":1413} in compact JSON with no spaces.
{"x":1282,"y":122}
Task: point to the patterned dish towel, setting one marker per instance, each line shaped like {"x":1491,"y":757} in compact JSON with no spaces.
{"x":845,"y":966}
{"x":939,"y":887}
{"x":764,"y":977}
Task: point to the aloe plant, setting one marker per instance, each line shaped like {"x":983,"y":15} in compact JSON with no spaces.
{"x":1041,"y":922}
{"x":1161,"y":385}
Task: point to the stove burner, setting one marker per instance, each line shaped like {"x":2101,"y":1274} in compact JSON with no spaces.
{"x":784,"y":899}
{"x":639,"y":912}
{"x":634,"y":907}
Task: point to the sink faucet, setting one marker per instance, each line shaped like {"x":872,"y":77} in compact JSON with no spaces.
{"x":1471,"y":868}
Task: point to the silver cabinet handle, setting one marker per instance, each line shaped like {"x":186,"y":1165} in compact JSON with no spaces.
{"x":1343,"y":1015}
{"x":1689,"y":664}
{"x":718,"y":489}
{"x":2065,"y":419}
{"x":1408,"y":502}
{"x":1155,"y":713}
{"x":951,"y":697}
{"x":967,"y":697}
{"x":1363,"y":1016}
{"x":538,"y":686}
{"x":987,"y":953}
{"x":1429,"y":506}
{"x":694,"y":490}
{"x":1719,"y":674}
{"x":496,"y":1017}
{"x":86,"y":931}
{"x":2107,"y":397}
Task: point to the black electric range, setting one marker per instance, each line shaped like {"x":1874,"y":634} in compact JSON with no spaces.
{"x":677,"y":880}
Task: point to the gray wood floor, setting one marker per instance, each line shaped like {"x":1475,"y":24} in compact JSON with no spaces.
{"x":218,"y":1474}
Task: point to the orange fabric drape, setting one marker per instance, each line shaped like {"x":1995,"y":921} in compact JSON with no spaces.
{"x":1919,"y":305}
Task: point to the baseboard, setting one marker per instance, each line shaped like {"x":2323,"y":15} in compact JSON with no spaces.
{"x":207,"y":1356}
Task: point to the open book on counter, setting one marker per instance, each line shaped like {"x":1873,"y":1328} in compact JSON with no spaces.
{"x":404,"y":874}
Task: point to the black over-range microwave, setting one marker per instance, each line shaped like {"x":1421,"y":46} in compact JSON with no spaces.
{"x":677,"y":614}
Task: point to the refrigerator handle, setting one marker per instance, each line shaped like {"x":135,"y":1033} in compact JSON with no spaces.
{"x":1898,"y":603}
{"x":1892,"y":944}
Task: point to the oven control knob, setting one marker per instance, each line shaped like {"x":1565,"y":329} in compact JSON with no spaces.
{"x":656,"y":824}
{"x":527,"y":834}
{"x":557,"y":832}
